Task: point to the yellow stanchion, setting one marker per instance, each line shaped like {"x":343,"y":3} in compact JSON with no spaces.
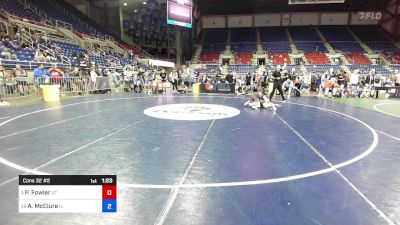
{"x":51,"y":93}
{"x":196,"y":88}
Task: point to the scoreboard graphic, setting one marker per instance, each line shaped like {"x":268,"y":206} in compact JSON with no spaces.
{"x":179,"y":13}
{"x":67,"y":193}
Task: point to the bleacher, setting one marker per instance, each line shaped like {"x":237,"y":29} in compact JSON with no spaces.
{"x":274,"y":39}
{"x":289,"y":68}
{"x":216,"y":35}
{"x":70,"y":50}
{"x":395,"y":67}
{"x":365,"y":69}
{"x":243,"y":57}
{"x":317,"y":58}
{"x":357,"y":58}
{"x":392,"y":57}
{"x":213,"y":48}
{"x":307,"y":39}
{"x":209,"y":57}
{"x":243,"y":44}
{"x":346,"y":46}
{"x":56,"y":14}
{"x":241,"y":47}
{"x":280,"y":58}
{"x":99,"y":59}
{"x":214,"y":43}
{"x":321,"y":68}
{"x":242,"y":69}
{"x":209,"y":69}
{"x":382,"y":46}
{"x":340,"y":39}
{"x":243,"y":35}
{"x":311,"y":46}
{"x":368,"y":33}
{"x":374,"y":38}
{"x":16,"y":8}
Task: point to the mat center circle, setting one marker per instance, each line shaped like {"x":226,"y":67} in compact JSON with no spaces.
{"x":191,"y":111}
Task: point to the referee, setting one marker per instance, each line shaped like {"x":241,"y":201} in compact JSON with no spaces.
{"x":277,"y":79}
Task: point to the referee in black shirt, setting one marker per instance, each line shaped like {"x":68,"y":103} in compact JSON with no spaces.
{"x":277,"y":79}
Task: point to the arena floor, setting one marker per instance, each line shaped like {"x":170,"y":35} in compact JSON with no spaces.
{"x":315,"y":161}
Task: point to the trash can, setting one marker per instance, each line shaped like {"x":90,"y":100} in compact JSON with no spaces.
{"x":196,"y":88}
{"x":51,"y":93}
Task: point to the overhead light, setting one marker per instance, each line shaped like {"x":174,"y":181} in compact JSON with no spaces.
{"x":125,"y":4}
{"x":135,"y":10}
{"x":144,"y":3}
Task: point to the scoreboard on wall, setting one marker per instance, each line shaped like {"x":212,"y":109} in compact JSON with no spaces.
{"x":179,"y":12}
{"x":67,"y":193}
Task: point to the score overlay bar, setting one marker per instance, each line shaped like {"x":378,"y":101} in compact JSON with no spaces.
{"x":67,"y":193}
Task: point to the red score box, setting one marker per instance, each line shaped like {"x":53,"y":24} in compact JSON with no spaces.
{"x":109,"y":191}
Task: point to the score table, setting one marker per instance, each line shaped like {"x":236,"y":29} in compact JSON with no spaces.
{"x":67,"y":193}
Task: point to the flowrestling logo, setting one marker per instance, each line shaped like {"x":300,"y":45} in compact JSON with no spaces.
{"x":192,"y":112}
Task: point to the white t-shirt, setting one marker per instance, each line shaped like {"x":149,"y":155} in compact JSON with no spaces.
{"x":307,"y":79}
{"x":93,"y":75}
{"x":2,"y":78}
{"x":354,"y":78}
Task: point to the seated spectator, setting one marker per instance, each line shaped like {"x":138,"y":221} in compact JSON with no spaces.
{"x":21,"y":77}
{"x":43,"y":39}
{"x":48,"y":57}
{"x":40,"y":74}
{"x":39,"y":56}
{"x":5,"y":54}
{"x":10,"y":44}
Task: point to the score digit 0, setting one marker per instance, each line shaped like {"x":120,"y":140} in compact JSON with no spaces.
{"x":109,"y":191}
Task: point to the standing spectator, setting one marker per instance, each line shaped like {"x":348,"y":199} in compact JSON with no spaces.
{"x":55,"y":74}
{"x":3,"y":87}
{"x":21,"y":77}
{"x":66,"y":79}
{"x":397,"y":83}
{"x":174,"y":79}
{"x":93,"y":77}
{"x":40,"y":74}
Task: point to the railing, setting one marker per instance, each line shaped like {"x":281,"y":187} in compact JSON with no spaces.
{"x":15,"y":18}
{"x":5,"y":26}
{"x":75,"y":84}
{"x":16,"y":87}
{"x":27,"y":38}
{"x":43,"y":14}
{"x":63,"y":24}
{"x":109,"y":38}
{"x":29,"y":64}
{"x":31,"y":7}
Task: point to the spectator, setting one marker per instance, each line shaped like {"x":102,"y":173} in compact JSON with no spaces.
{"x":5,"y":54}
{"x":3,"y":87}
{"x":93,"y":77}
{"x":48,"y":57}
{"x":67,"y":80}
{"x":40,"y":74}
{"x":21,"y":77}
{"x":55,"y":74}
{"x":9,"y":44}
{"x":39,"y":56}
